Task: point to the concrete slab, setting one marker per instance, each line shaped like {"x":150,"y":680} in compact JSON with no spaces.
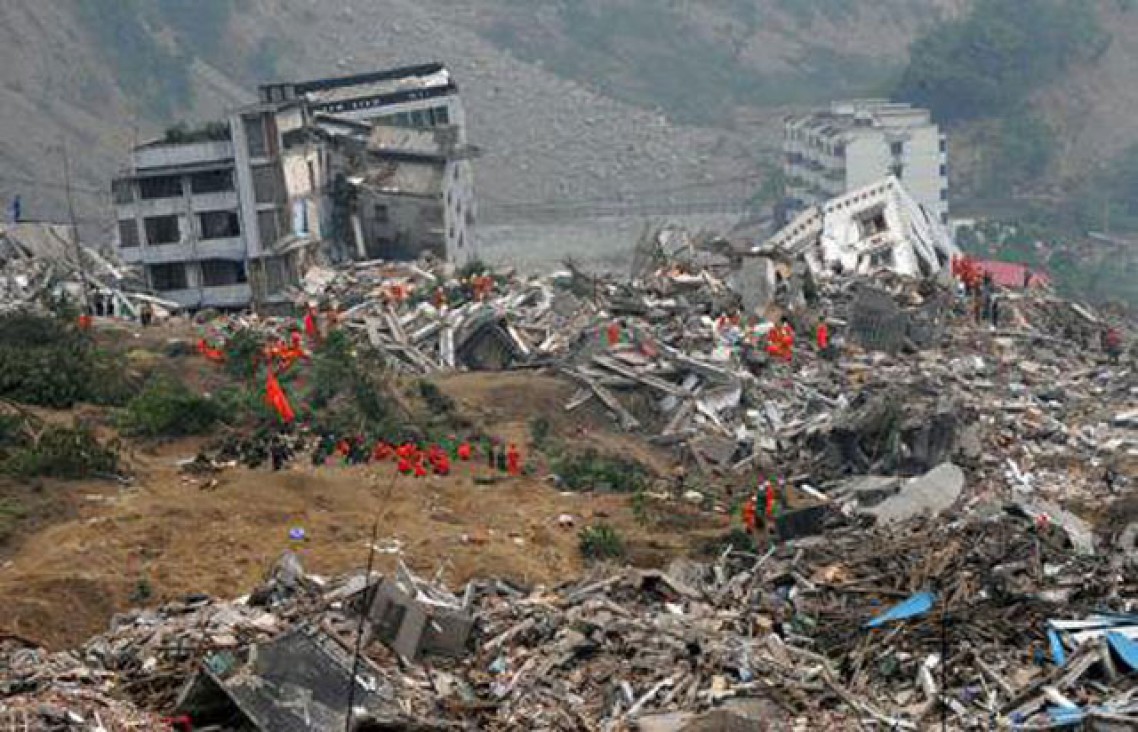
{"x":932,"y":493}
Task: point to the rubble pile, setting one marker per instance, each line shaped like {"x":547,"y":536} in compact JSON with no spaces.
{"x":38,"y":264}
{"x":848,"y":629}
{"x":953,"y":564}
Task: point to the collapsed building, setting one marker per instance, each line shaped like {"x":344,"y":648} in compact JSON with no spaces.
{"x":44,"y":261}
{"x":231,"y":215}
{"x":875,"y":227}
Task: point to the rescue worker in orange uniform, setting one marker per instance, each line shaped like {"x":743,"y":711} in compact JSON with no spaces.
{"x":780,"y":341}
{"x":513,"y":460}
{"x":612,"y":333}
{"x":749,"y":508}
{"x":787,"y":337}
{"x":465,"y":452}
{"x":311,"y":328}
{"x":823,"y":334}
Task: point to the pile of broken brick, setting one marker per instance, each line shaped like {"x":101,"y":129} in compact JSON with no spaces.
{"x":678,"y":354}
{"x":980,"y":614}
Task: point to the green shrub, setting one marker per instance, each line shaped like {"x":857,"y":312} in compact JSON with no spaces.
{"x":539,"y":429}
{"x":344,"y":392}
{"x":600,"y":542}
{"x":70,"y":453}
{"x":11,"y":513}
{"x":437,"y":401}
{"x":988,"y":62}
{"x":166,"y":408}
{"x":593,"y":471}
{"x":241,"y":352}
{"x":143,"y":591}
{"x":47,"y":362}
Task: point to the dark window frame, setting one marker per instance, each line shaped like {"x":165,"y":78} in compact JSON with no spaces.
{"x":156,"y":225}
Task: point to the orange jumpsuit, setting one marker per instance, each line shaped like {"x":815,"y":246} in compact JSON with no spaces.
{"x":613,"y":333}
{"x":749,"y":509}
{"x":823,"y":336}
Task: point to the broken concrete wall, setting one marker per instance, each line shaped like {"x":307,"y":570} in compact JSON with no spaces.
{"x":414,"y":629}
{"x":755,"y":281}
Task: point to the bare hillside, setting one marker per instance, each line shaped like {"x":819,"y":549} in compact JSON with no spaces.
{"x":574,"y":101}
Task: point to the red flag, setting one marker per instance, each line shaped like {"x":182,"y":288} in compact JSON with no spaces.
{"x":276,"y":398}
{"x":310,"y":326}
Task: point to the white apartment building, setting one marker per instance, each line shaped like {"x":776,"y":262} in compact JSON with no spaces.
{"x":855,"y":143}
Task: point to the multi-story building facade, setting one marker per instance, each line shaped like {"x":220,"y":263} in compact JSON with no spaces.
{"x":230,"y":218}
{"x":419,"y":97}
{"x":180,"y":218}
{"x":855,"y":143}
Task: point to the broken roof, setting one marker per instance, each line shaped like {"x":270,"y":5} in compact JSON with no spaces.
{"x":1010,"y":274}
{"x":377,"y":84}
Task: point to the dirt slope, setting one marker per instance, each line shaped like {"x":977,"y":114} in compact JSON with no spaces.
{"x":90,"y":554}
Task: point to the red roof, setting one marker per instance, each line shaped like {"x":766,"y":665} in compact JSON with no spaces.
{"x":1010,"y":274}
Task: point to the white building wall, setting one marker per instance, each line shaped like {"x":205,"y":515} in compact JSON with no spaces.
{"x":867,"y":159}
{"x":461,"y":213}
{"x":868,"y":154}
{"x":243,"y":180}
{"x":922,"y":170}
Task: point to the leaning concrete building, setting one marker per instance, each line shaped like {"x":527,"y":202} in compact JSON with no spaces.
{"x":232,"y":215}
{"x":179,"y":217}
{"x":421,"y":97}
{"x":855,"y":143}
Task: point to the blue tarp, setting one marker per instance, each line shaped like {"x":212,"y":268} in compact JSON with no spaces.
{"x":1058,"y":655}
{"x":1126,"y":649}
{"x":1067,"y":715}
{"x":918,"y":604}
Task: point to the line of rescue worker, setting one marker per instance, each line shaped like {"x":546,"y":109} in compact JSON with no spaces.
{"x":411,"y":459}
{"x":780,"y":338}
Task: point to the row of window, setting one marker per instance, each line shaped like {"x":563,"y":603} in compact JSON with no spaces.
{"x":433,"y":117}
{"x":168,"y":229}
{"x":214,"y":273}
{"x":173,"y":186}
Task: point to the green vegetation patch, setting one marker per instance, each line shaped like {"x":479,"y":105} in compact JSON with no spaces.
{"x":600,"y":542}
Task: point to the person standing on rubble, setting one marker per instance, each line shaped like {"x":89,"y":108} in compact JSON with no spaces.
{"x":612,"y":333}
{"x":146,"y":315}
{"x":750,"y":511}
{"x":778,"y":344}
{"x":994,"y":311}
{"x":823,"y":335}
{"x":1112,"y":343}
{"x":311,"y":328}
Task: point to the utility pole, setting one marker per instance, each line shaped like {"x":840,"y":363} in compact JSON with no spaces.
{"x":75,"y":230}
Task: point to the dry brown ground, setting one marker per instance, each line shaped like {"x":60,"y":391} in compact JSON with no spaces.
{"x":80,"y":559}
